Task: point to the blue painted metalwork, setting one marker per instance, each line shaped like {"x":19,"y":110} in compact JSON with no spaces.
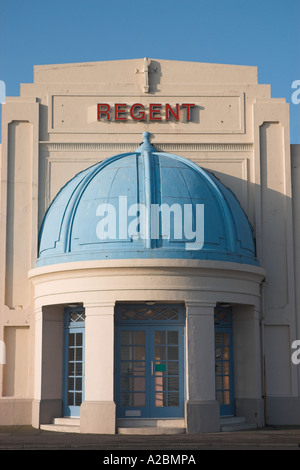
{"x":148,"y":199}
{"x":224,"y":367}
{"x":149,"y":349}
{"x":146,"y":177}
{"x":146,"y":144}
{"x":149,"y":313}
{"x":73,"y":364}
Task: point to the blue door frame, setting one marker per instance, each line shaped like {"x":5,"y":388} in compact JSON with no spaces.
{"x":149,"y":366}
{"x":224,"y":361}
{"x":73,"y":361}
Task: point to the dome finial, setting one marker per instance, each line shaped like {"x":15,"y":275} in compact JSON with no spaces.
{"x":146,"y":144}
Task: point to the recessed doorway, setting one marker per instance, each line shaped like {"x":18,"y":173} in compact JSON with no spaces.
{"x":149,"y":365}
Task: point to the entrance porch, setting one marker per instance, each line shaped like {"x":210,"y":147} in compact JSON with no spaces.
{"x":163,"y":364}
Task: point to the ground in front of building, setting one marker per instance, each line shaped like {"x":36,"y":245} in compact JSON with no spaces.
{"x":268,"y":438}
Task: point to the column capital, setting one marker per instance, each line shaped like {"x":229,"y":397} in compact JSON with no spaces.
{"x":200,"y":308}
{"x":103,"y":308}
{"x":38,"y":314}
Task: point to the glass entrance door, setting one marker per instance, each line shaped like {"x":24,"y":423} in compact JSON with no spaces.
{"x":224,"y":361}
{"x":149,"y":368}
{"x":74,"y":339}
{"x":133,"y":370}
{"x":166,"y":372}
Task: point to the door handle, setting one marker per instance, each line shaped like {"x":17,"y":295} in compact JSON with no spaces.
{"x":152,"y":368}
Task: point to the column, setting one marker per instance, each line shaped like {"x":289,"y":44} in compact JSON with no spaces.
{"x":47,"y":403}
{"x":38,"y":347}
{"x":248,"y":369}
{"x":98,"y":411}
{"x":202,"y":409}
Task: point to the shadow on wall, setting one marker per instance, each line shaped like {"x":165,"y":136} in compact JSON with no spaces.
{"x":276,"y":223}
{"x":268,"y":212}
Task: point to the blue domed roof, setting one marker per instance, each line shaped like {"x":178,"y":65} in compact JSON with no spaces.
{"x":145,"y":204}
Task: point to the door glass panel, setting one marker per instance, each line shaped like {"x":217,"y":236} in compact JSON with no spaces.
{"x":166,"y":369}
{"x":173,"y":353}
{"x":133,"y":368}
{"x":139,"y":399}
{"x":78,"y":399}
{"x":78,"y":384}
{"x":173,"y":384}
{"x":71,"y":354}
{"x":71,"y":339}
{"x":172,"y":337}
{"x":160,"y":399}
{"x":160,"y":353}
{"x":173,"y":368}
{"x":173,"y":399}
{"x":140,"y":337}
{"x":140,"y":353}
{"x":222,"y":368}
{"x":126,"y":399}
{"x":126,"y":337}
{"x":75,"y":376}
{"x":126,"y":368}
{"x":139,"y":384}
{"x":160,"y":337}
{"x":139,"y":368}
{"x":78,"y":353}
{"x":226,"y":397}
{"x":126,"y":352}
{"x":126,"y":383}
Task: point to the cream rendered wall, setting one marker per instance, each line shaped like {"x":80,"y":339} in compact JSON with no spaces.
{"x":50,"y":133}
{"x":16,"y":377}
{"x":18,"y":239}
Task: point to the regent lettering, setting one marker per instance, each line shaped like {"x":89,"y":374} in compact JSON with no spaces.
{"x":140,"y":112}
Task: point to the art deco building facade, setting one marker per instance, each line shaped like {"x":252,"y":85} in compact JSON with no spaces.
{"x":149,"y":249}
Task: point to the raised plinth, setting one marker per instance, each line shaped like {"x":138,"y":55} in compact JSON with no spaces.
{"x":150,"y":426}
{"x":71,"y":425}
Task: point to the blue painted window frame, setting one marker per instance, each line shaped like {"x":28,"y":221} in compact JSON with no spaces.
{"x":74,"y":327}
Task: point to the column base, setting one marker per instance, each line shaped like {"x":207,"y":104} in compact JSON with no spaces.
{"x":44,"y":411}
{"x":15,"y":411}
{"x":98,"y":417}
{"x":284,"y":411}
{"x":252,"y":409}
{"x":202,"y":416}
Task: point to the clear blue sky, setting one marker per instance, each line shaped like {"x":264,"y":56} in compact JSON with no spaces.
{"x":264,"y":33}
